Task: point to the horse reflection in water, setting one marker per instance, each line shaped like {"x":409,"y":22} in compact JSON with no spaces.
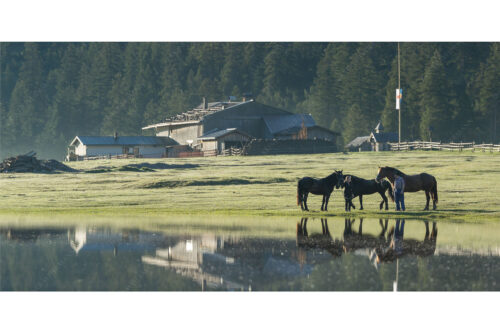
{"x":322,"y":241}
{"x":398,"y":246}
{"x":384,"y":247}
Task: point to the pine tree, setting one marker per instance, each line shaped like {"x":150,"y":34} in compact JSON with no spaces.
{"x":356,"y":123}
{"x":488,"y":102}
{"x":436,"y":116}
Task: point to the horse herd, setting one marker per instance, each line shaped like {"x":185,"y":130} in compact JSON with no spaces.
{"x":357,"y":187}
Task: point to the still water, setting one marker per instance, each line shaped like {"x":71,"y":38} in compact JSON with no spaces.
{"x":271,"y":254}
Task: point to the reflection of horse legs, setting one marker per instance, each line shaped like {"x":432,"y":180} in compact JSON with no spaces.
{"x":433,"y":235}
{"x":384,"y":228}
{"x":324,"y":228}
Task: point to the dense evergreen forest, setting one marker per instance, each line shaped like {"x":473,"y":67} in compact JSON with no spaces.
{"x":51,"y":92}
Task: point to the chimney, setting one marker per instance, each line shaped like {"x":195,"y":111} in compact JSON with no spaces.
{"x":205,"y":103}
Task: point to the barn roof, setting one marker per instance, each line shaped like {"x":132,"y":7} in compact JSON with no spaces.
{"x":216,"y":133}
{"x":278,"y":124}
{"x":358,"y":141}
{"x":122,"y":140}
{"x":385,"y":137}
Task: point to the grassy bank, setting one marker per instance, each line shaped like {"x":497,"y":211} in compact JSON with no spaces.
{"x":468,"y":186}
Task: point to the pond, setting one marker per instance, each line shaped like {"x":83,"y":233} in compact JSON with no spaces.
{"x":250,"y":254}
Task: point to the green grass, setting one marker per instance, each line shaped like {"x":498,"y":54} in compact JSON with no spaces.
{"x":468,"y":187}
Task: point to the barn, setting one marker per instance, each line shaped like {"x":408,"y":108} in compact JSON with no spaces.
{"x":220,"y":140}
{"x":138,"y":146}
{"x":247,"y":118}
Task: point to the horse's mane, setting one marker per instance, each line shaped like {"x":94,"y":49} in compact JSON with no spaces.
{"x":396,"y":171}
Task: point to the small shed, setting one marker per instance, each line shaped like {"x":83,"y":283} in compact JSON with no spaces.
{"x":380,"y":141}
{"x":220,"y":140}
{"x":139,"y":146}
{"x":376,"y":141}
{"x":361,"y":143}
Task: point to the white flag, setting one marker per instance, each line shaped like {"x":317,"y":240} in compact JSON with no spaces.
{"x":399,"y":96}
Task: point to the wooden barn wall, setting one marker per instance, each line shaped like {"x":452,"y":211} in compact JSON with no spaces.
{"x":182,"y":134}
{"x":318,"y":133}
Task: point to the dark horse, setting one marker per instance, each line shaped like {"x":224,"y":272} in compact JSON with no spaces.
{"x":413,"y":183}
{"x":358,"y":187}
{"x":323,"y":186}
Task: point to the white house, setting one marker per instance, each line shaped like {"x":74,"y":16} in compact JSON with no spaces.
{"x":139,"y":146}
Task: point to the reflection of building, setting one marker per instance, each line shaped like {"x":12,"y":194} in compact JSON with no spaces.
{"x":77,"y":238}
{"x":196,"y":258}
{"x":82,"y":239}
{"x":229,"y":263}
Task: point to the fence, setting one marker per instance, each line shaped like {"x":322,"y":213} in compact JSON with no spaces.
{"x":451,"y":146}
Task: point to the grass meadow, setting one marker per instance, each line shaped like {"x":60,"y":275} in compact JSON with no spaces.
{"x":468,"y":187}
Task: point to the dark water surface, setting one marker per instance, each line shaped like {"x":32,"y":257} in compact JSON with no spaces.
{"x":300,"y":255}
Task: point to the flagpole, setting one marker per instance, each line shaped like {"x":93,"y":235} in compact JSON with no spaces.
{"x":399,"y":109}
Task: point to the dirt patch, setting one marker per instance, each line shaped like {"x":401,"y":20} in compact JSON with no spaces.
{"x":162,"y":166}
{"x":29,"y":163}
{"x":142,"y":167}
{"x":212,"y":182}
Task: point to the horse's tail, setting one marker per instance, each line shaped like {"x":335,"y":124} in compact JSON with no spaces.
{"x":299,"y":197}
{"x":389,"y":187}
{"x":435,"y":190}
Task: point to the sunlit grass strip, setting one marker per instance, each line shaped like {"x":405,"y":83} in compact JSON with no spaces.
{"x":468,"y":186}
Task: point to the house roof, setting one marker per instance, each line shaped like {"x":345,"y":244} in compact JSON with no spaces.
{"x":278,"y":124}
{"x":216,"y":133}
{"x":358,"y":141}
{"x":195,"y":115}
{"x":122,"y":140}
{"x":385,"y":137}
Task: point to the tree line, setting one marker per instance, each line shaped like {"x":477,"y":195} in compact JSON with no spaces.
{"x":50,"y":92}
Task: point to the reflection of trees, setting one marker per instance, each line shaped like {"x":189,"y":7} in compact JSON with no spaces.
{"x":46,"y":262}
{"x":49,"y":264}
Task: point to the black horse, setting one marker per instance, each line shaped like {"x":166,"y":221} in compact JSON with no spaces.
{"x":358,"y":187}
{"x":323,"y":186}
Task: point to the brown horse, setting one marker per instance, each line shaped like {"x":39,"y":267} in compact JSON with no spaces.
{"x":413,"y":183}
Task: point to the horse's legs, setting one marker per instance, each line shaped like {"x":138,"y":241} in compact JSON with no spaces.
{"x":426,"y":230}
{"x":301,"y":199}
{"x":305,"y":200}
{"x":433,"y":200}
{"x":427,"y":197}
{"x":360,"y":228}
{"x":361,"y":202}
{"x":326,"y":201}
{"x":323,"y":202}
{"x":384,"y":199}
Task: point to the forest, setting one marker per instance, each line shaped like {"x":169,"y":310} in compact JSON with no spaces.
{"x":51,"y":92}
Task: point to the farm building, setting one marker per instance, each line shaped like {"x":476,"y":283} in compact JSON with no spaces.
{"x":139,"y":146}
{"x":376,"y":141}
{"x":221,"y":140}
{"x":247,"y":119}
